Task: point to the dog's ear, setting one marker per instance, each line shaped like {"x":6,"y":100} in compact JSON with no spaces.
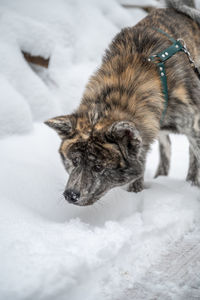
{"x":64,"y":125}
{"x":125,"y":134}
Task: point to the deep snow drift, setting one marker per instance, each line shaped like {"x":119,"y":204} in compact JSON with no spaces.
{"x":50,"y":249}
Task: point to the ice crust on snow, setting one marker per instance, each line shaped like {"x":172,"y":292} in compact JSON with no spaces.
{"x":50,"y":249}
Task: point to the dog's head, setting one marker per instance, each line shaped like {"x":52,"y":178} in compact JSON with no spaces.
{"x":97,"y":157}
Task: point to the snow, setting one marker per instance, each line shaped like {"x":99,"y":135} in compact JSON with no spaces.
{"x":15,"y":115}
{"x":50,"y":249}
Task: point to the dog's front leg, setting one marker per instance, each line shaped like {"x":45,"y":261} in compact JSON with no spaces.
{"x":165,"y":154}
{"x":137,"y":185}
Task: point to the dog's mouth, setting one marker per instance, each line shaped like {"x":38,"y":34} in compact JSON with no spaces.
{"x":84,"y":202}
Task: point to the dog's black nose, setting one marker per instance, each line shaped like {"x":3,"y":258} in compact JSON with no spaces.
{"x":71,"y":195}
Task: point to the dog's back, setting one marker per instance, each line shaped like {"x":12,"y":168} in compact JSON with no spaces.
{"x":175,"y":24}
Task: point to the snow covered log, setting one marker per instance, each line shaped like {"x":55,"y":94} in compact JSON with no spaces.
{"x":146,"y":5}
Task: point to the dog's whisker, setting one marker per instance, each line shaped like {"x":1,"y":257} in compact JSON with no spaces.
{"x":60,"y":200}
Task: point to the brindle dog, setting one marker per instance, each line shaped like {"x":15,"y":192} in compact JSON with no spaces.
{"x":106,"y":140}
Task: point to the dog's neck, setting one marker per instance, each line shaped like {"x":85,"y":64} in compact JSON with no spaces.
{"x":125,"y":88}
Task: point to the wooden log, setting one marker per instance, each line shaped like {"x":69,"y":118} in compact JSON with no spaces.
{"x":37,"y":60}
{"x":146,"y":8}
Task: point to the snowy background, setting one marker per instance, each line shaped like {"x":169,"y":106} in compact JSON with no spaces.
{"x":49,"y":249}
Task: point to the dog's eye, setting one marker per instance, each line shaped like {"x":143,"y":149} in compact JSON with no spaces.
{"x":76,"y":161}
{"x":98,"y":168}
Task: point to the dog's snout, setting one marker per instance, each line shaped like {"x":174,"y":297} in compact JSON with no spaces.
{"x":71,"y":195}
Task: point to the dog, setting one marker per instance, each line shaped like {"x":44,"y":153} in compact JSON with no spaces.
{"x":104,"y":143}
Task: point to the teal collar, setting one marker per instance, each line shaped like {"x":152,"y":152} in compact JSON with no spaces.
{"x":159,"y":59}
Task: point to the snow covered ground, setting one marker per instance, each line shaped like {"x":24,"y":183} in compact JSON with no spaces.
{"x":120,"y":248}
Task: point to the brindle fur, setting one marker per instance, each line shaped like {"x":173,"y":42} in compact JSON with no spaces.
{"x":105,"y":141}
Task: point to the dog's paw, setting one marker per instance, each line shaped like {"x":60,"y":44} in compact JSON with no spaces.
{"x":195,"y":181}
{"x":136,"y":186}
{"x":161,"y":171}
